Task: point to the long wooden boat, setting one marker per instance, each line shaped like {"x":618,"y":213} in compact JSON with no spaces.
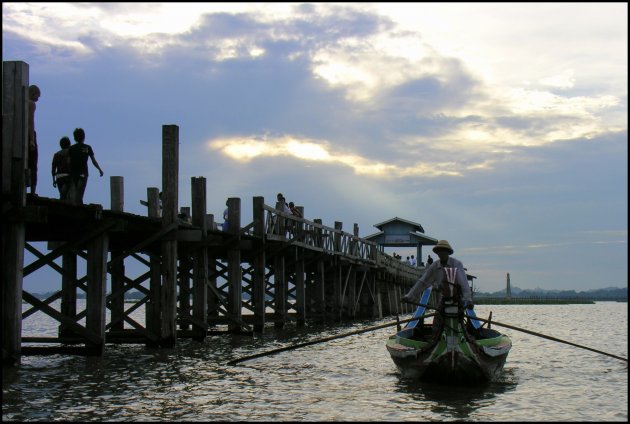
{"x":460,"y":352}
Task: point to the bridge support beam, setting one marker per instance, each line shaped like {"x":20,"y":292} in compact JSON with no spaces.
{"x":200,"y":261}
{"x":258,"y":278}
{"x":96,"y":285}
{"x":68,"y":291}
{"x":153,"y":313}
{"x":280,"y":291}
{"x":170,"y":176}
{"x":117,"y":268}
{"x":15,"y":83}
{"x":300,"y":291}
{"x":235,"y":290}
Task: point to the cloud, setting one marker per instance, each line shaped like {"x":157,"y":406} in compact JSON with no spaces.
{"x":564,"y":80}
{"x":343,"y":67}
{"x":497,"y":130}
{"x":245,"y":149}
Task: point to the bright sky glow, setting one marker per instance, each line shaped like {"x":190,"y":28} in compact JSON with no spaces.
{"x":245,"y":150}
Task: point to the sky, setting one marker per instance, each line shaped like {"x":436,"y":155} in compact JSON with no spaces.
{"x":500,"y":127}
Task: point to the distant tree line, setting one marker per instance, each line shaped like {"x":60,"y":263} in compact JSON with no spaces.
{"x":610,"y":293}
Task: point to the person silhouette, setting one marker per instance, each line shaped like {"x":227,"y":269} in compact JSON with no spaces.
{"x":79,"y":154}
{"x":34,"y":94}
{"x":61,"y":169}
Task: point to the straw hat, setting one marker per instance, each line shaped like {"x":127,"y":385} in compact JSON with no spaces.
{"x":443,"y":245}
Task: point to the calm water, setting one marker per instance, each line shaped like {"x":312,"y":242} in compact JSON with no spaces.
{"x":348,"y":379}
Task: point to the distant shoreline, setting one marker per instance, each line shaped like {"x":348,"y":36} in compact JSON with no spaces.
{"x":535,"y":301}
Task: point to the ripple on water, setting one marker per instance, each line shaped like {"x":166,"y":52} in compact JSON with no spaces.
{"x":348,"y":379}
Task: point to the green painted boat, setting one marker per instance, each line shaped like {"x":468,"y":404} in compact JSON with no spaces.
{"x":460,"y":351}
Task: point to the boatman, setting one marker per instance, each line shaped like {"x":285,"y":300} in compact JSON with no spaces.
{"x":448,"y":278}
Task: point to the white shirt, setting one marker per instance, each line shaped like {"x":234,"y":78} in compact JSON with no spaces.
{"x":434,"y":275}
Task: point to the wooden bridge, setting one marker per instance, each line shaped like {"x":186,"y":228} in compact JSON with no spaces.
{"x":277,"y":269}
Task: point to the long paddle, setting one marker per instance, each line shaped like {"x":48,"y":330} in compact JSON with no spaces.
{"x":325,"y":339}
{"x":544,"y":336}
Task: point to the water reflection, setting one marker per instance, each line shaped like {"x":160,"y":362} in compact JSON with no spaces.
{"x":457,"y":402}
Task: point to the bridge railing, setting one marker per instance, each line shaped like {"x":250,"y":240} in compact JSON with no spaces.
{"x":287,"y":227}
{"x":387,"y":261}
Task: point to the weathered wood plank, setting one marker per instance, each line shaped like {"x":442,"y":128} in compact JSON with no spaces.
{"x":200,"y":262}
{"x":15,"y":82}
{"x":96,"y":290}
{"x":234,"y":264}
{"x":170,"y":176}
{"x":259,"y":281}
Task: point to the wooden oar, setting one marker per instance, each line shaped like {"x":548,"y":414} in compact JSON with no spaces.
{"x":325,"y":339}
{"x":544,"y":336}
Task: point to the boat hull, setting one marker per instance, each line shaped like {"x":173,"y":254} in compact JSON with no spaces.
{"x":454,"y":357}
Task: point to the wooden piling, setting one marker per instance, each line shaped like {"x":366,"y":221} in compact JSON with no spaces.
{"x":95,"y":299}
{"x":153,"y":315}
{"x":117,"y":268}
{"x":200,"y":261}
{"x":300,"y":290}
{"x":213,"y":299}
{"x":68,"y":291}
{"x":279,"y":291}
{"x":351,"y":291}
{"x":170,"y":176}
{"x":258,"y":277}
{"x":337,"y":280}
{"x":319,"y":281}
{"x":184,"y":270}
{"x":15,"y":83}
{"x":235,"y":291}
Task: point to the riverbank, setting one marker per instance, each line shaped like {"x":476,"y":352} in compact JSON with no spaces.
{"x":529,"y":301}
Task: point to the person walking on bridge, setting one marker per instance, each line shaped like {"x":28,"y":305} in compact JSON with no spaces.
{"x":79,"y":154}
{"x":61,"y":169}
